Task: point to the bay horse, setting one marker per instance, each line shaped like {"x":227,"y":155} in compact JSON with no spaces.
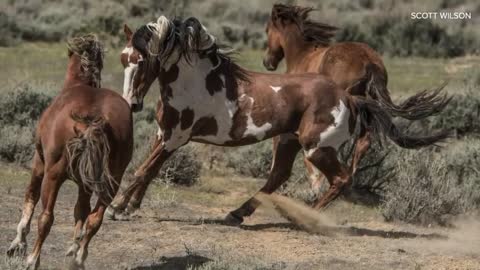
{"x":306,"y":47}
{"x":206,"y":97}
{"x":86,"y":135}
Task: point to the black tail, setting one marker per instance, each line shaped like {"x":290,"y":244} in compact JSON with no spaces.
{"x":421,"y":105}
{"x":89,"y":155}
{"x":375,"y":117}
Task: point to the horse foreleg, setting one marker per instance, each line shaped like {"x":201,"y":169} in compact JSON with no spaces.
{"x":131,"y":198}
{"x":82,"y":209}
{"x":52,"y":181}
{"x":32,"y":194}
{"x":285,"y":149}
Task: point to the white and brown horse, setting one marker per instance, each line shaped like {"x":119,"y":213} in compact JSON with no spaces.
{"x":206,"y":97}
{"x":85,"y":135}
{"x":305,"y":45}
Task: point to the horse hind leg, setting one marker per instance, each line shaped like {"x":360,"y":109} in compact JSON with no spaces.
{"x":81,"y":212}
{"x":52,"y":181}
{"x":92,"y":225}
{"x":285,"y":149}
{"x":337,"y":174}
{"x":18,"y":247}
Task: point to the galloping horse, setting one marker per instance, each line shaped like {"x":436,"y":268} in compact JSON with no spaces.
{"x":86,"y":135}
{"x":206,"y":97}
{"x":306,"y":47}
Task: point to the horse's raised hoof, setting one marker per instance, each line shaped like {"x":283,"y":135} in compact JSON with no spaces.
{"x":17,"y":249}
{"x":233,"y":220}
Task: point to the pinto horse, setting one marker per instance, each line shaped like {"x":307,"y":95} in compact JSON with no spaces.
{"x":85,"y":135}
{"x":206,"y":97}
{"x":306,"y":47}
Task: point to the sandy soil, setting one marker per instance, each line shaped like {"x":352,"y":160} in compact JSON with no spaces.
{"x":186,"y":235}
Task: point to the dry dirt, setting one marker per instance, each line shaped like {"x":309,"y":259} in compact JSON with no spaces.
{"x":181,"y":231}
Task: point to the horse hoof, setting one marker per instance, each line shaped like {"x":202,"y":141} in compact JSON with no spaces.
{"x":233,"y":220}
{"x":75,"y":266}
{"x":110,"y":213}
{"x":17,"y":249}
{"x":72,"y":250}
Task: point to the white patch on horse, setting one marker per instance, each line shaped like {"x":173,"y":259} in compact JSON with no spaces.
{"x":276,"y":88}
{"x":129,"y":73}
{"x":189,"y":92}
{"x":128,"y":51}
{"x":159,"y":134}
{"x":337,"y":133}
{"x":258,"y":132}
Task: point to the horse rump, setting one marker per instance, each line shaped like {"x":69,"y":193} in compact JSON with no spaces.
{"x":89,"y":155}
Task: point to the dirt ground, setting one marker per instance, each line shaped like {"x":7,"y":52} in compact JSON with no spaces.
{"x":182,"y":229}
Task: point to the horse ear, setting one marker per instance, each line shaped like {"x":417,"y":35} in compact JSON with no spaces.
{"x":128,"y":32}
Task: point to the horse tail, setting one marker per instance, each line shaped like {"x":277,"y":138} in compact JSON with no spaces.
{"x":379,"y":121}
{"x":88,"y":155}
{"x":421,"y":105}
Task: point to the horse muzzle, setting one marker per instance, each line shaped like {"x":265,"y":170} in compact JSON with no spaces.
{"x":269,"y":65}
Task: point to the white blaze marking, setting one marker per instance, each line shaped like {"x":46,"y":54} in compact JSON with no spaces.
{"x":276,"y":88}
{"x":129,"y":72}
{"x":252,"y":129}
{"x":337,"y":133}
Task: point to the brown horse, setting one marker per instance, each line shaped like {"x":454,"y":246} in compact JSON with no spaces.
{"x":306,"y":47}
{"x":85,"y":135}
{"x":206,"y":97}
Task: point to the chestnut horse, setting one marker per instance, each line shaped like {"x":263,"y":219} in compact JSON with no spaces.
{"x":306,"y":47}
{"x":85,"y":135}
{"x":206,"y":97}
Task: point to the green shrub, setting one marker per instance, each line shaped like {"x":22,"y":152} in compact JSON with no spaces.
{"x":21,"y":109}
{"x":252,"y":161}
{"x":182,"y":168}
{"x":430,"y":187}
{"x":399,"y":37}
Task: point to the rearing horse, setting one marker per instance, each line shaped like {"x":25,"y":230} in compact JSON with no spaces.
{"x":206,"y":97}
{"x":306,"y":47}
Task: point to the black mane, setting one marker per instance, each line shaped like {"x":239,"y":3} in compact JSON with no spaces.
{"x":316,"y":33}
{"x":185,"y":37}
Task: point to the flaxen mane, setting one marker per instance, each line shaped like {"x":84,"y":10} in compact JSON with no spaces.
{"x":319,"y":34}
{"x":91,"y":53}
{"x":165,"y":39}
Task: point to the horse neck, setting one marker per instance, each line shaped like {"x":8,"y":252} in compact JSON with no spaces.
{"x":296,"y":51}
{"x":74,"y":73}
{"x":197,"y":76}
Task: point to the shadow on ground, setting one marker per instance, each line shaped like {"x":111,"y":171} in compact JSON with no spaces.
{"x":350,"y":231}
{"x":176,"y":263}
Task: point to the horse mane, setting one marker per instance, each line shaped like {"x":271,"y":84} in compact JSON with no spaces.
{"x":315,"y":33}
{"x":91,"y":53}
{"x":184,"y":38}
